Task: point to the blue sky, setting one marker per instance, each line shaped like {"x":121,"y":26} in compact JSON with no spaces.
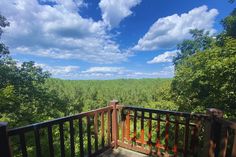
{"x":106,"y":39}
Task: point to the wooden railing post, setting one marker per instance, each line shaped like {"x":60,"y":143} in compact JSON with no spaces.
{"x":113,"y":103}
{"x":5,"y":150}
{"x":212,"y":133}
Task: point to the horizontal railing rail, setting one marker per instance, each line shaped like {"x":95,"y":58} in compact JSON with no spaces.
{"x":149,"y":131}
{"x":87,"y":124}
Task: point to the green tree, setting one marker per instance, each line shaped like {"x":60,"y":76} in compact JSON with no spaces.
{"x":207,"y":78}
{"x":229,"y":24}
{"x":201,"y":41}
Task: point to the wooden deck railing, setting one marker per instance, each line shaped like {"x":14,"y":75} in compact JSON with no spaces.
{"x":149,"y":131}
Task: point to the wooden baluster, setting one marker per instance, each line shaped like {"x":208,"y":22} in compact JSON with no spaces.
{"x":102,"y":129}
{"x":167,"y":132}
{"x":37,"y":141}
{"x":158,"y":135}
{"x":135,"y":126}
{"x":123,"y":125}
{"x":115,"y":134}
{"x":150,"y":132}
{"x":23,"y":145}
{"x":194,"y":138}
{"x":62,"y":140}
{"x":50,"y":141}
{"x":4,"y":142}
{"x":175,"y":149}
{"x":142,"y":128}
{"x":223,"y":141}
{"x":127,"y":120}
{"x":109,"y":126}
{"x":89,"y":135}
{"x":96,"y":130}
{"x":81,"y":138}
{"x":234,"y":146}
{"x":186,"y":136}
{"x":72,"y":142}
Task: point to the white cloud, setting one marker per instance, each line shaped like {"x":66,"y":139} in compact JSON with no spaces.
{"x":114,"y":11}
{"x":164,"y":57}
{"x":104,"y":70}
{"x":58,"y":31}
{"x":58,"y":71}
{"x":166,"y":32}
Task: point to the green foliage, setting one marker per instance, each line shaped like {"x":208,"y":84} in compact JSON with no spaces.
{"x":200,"y":42}
{"x":92,"y":94}
{"x":207,"y":79}
{"x":3,"y":23}
{"x":229,"y":24}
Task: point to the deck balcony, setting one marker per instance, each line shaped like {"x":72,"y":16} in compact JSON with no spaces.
{"x":120,"y":130}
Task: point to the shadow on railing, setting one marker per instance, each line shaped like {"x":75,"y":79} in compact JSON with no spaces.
{"x":149,"y":131}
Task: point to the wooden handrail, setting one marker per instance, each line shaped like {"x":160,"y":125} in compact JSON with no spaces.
{"x":149,"y":131}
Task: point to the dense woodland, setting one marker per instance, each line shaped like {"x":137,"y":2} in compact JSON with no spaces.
{"x":205,"y":76}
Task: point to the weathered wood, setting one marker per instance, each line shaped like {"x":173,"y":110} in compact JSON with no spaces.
{"x":109,"y":126}
{"x":167,"y":131}
{"x":175,"y":148}
{"x":62,"y":140}
{"x":37,"y":141}
{"x":50,"y":141}
{"x":102,"y":129}
{"x":114,"y":123}
{"x":72,"y":141}
{"x":23,"y":145}
{"x":81,"y":138}
{"x":5,"y":150}
{"x":135,"y":126}
{"x":158,"y":135}
{"x":150,"y":132}
{"x":96,"y":130}
{"x":186,"y":137}
{"x":223,"y":141}
{"x":127,"y":121}
{"x":234,"y":146}
{"x":142,"y":129}
{"x":89,"y":135}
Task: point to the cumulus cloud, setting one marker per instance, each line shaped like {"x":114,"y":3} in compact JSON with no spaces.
{"x":58,"y":31}
{"x":114,"y":11}
{"x":166,"y":32}
{"x":104,"y":70}
{"x":121,"y":72}
{"x":58,"y":71}
{"x":164,"y":57}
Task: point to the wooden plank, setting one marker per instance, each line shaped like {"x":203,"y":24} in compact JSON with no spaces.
{"x":150,"y":132}
{"x":96,"y":130}
{"x":142,"y":128}
{"x":62,"y":140}
{"x":234,"y":146}
{"x":37,"y":142}
{"x":4,"y":142}
{"x":223,"y":141}
{"x":72,"y":141}
{"x":175,"y":148}
{"x":109,"y":127}
{"x":158,"y":136}
{"x":81,"y":138}
{"x":127,"y":121}
{"x":89,"y":135}
{"x":50,"y":141}
{"x":167,"y":125}
{"x":102,"y":129}
{"x":135,"y":126}
{"x":23,"y":145}
{"x":186,"y":137}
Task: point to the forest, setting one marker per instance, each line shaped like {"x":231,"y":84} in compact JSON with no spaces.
{"x":205,"y":77}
